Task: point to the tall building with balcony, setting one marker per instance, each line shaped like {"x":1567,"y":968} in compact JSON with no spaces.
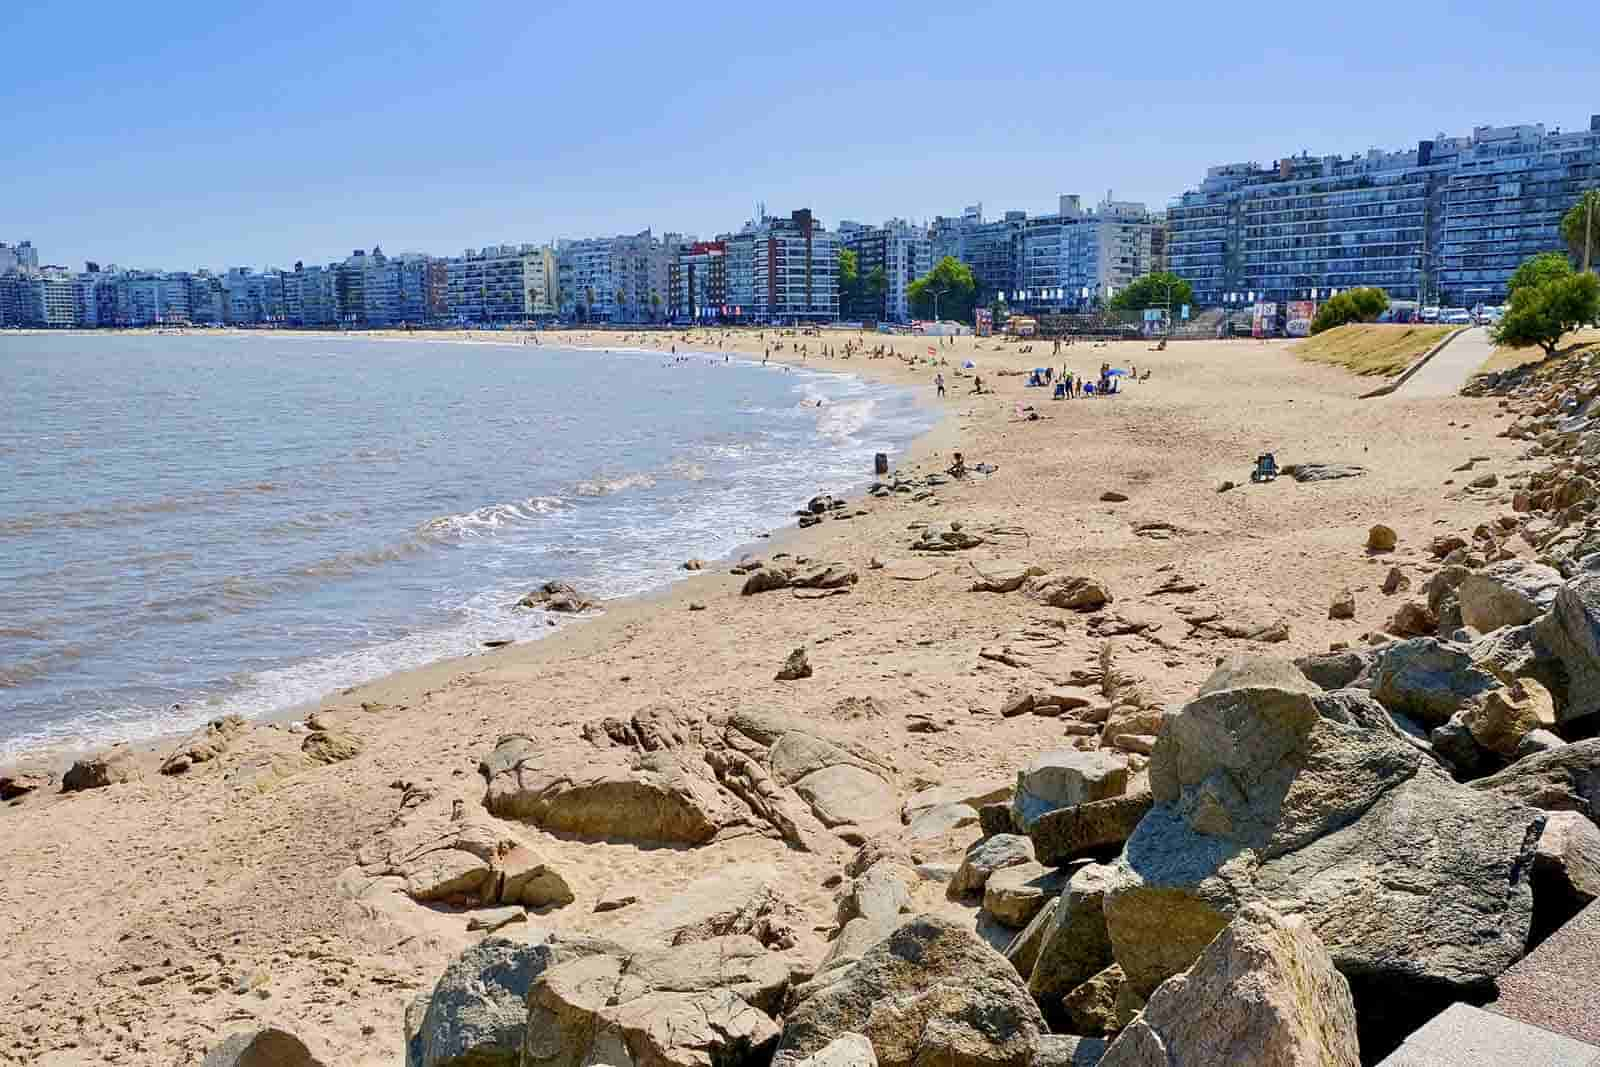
{"x":793,"y":270}
{"x":902,"y":251}
{"x":1447,"y":221}
{"x":697,"y":284}
{"x":18,"y":257}
{"x":501,"y":284}
{"x":586,"y":289}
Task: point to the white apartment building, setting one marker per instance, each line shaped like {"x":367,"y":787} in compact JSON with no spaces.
{"x":502,"y":284}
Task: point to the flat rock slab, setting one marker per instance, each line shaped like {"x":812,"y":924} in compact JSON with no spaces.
{"x":1462,"y":1035}
{"x":1557,"y":985}
{"x":908,"y":570}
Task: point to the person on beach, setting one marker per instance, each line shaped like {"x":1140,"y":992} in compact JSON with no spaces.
{"x":938,"y":380}
{"x":958,"y":469}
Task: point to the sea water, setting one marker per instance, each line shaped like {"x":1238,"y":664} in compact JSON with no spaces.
{"x":193,"y":525}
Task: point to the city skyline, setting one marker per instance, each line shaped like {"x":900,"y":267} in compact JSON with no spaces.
{"x":436,"y":131}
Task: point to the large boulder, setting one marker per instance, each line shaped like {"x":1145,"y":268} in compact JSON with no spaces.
{"x":1566,"y":870}
{"x":697,"y":1005}
{"x":931,"y":994}
{"x":739,"y":898}
{"x":265,"y":1047}
{"x":1068,"y":591}
{"x":1091,"y":829}
{"x":1562,"y":779}
{"x":111,"y":767}
{"x":840,"y":784}
{"x":1509,"y":593}
{"x":1571,"y":629}
{"x":477,"y":1012}
{"x":1064,"y":779}
{"x":1268,"y":789}
{"x":1428,"y":679}
{"x":1264,"y":992}
{"x":846,"y":1050}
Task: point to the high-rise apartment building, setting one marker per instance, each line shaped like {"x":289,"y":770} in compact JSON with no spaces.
{"x":697,"y":284}
{"x":19,"y":257}
{"x":793,"y":270}
{"x":502,"y":284}
{"x":1066,"y":261}
{"x":904,"y":252}
{"x":1447,"y":221}
{"x":585,"y":286}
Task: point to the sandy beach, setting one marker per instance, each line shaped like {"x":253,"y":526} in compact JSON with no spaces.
{"x":146,"y":919}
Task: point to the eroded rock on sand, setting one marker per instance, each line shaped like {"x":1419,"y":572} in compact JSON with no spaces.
{"x":1507,"y":594}
{"x":930,"y":993}
{"x":746,"y":899}
{"x":1571,"y":629}
{"x":204,"y":745}
{"x":667,"y":775}
{"x":1065,"y":778}
{"x":1264,"y":991}
{"x":442,"y":850}
{"x":111,"y":767}
{"x":984,"y":858}
{"x":1071,"y":592}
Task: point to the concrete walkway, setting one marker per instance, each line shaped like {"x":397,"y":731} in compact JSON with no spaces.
{"x":1447,"y":372}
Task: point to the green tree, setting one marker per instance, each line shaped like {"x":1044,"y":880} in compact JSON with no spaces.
{"x":872,"y":289}
{"x":1536,"y":270}
{"x":955,"y":286}
{"x":1162,"y":290}
{"x":1352,"y":305}
{"x":1541,"y":313}
{"x":1581,"y":228}
{"x":849,"y":283}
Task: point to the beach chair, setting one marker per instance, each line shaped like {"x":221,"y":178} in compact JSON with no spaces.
{"x":1266,"y":468}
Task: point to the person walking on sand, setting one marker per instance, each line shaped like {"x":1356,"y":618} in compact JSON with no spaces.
{"x":938,"y":380}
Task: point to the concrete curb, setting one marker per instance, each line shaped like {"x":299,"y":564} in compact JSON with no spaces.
{"x":1422,"y":361}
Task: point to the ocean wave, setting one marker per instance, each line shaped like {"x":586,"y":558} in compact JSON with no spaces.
{"x":104,"y":515}
{"x":840,"y":422}
{"x":486,"y":520}
{"x":608,"y":486}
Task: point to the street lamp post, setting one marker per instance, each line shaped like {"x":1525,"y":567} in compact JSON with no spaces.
{"x":937,"y":293}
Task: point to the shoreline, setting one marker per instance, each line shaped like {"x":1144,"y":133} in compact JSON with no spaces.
{"x":221,"y":898}
{"x":151,"y":749}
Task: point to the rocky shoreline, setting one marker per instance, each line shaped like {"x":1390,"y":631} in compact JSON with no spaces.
{"x":1087,"y":763}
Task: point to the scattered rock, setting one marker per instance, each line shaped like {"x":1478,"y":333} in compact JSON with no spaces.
{"x":945,"y":538}
{"x":1500,"y":718}
{"x":1023,"y":951}
{"x":1063,"y":779}
{"x":766,"y":579}
{"x":1343,"y":606}
{"x":266,"y":1047}
{"x":1103,"y":1004}
{"x":204,"y":745}
{"x":1566,"y":870}
{"x":794,"y":668}
{"x":846,"y":1050}
{"x":1014,"y":895}
{"x":23,"y":781}
{"x":559,"y":597}
{"x":1428,"y":679}
{"x":940,"y":820}
{"x":1381,"y":538}
{"x":984,"y":858}
{"x":1084,"y":830}
{"x":492,"y":919}
{"x":1075,"y":945}
{"x":325,"y":745}
{"x":1265,"y":991}
{"x":111,"y":767}
{"x":694,"y":564}
{"x":616,"y":898}
{"x":1413,"y":619}
{"x":1003,"y":576}
{"x":1395,"y":582}
{"x":1069,"y":592}
{"x":1111,"y":496}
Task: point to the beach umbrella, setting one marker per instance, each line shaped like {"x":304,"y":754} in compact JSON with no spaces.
{"x":969,"y":365}
{"x":1116,"y":370}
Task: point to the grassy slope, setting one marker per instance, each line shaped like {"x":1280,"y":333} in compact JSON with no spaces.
{"x":1373,"y":348}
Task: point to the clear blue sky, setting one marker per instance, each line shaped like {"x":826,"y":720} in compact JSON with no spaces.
{"x":193,"y":134}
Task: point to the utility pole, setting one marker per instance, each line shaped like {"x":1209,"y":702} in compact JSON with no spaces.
{"x":937,"y":293}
